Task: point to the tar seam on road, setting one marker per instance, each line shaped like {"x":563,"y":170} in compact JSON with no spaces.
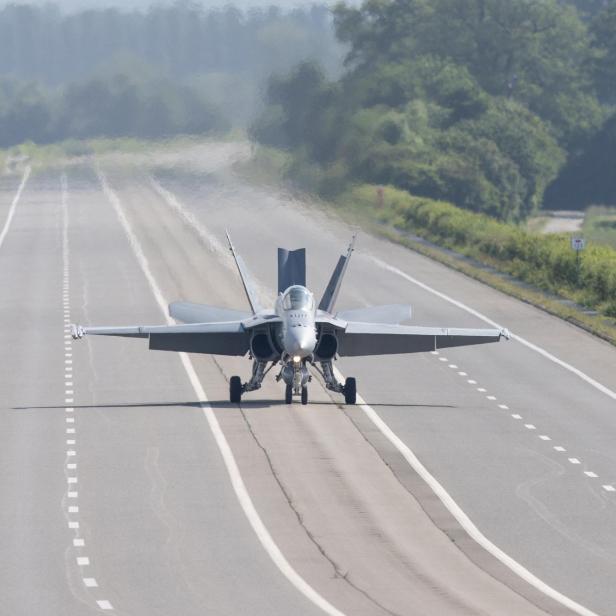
{"x":543,"y":437}
{"x":237,"y":482}
{"x":310,"y":535}
{"x":71,"y":467}
{"x":406,"y":452}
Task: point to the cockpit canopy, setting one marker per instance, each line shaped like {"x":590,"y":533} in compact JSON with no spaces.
{"x":298,"y":298}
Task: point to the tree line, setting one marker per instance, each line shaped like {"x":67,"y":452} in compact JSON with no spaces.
{"x":168,"y":70}
{"x":484,"y":103}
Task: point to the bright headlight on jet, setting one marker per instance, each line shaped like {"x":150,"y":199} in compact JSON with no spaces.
{"x":296,"y":359}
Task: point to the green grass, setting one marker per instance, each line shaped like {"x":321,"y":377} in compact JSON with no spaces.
{"x":600,"y":225}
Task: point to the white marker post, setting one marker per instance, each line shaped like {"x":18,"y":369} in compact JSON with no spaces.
{"x":578,"y":244}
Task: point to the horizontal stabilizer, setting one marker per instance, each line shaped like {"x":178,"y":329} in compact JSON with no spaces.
{"x":202,"y":313}
{"x":393,"y":314}
{"x":291,"y":268}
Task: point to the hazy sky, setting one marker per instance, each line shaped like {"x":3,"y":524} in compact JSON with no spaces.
{"x":72,"y":5}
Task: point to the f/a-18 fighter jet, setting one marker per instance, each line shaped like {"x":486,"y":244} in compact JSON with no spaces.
{"x":295,"y":334}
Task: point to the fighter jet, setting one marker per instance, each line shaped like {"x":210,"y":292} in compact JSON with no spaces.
{"x":297,"y":335}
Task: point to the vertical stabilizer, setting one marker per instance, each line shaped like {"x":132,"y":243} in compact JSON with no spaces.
{"x":291,"y":268}
{"x":333,"y":286}
{"x":246,"y":279}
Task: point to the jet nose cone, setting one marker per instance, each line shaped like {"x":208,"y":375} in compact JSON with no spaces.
{"x":301,"y":342}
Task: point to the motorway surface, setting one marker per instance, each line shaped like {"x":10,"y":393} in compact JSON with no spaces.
{"x":114,"y":494}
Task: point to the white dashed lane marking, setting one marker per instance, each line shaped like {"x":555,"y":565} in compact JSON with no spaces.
{"x":78,"y":542}
{"x":528,"y":426}
{"x":104,"y":605}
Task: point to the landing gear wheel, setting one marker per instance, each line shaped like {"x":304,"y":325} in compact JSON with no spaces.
{"x":235,"y":389}
{"x":350,"y":391}
{"x":288,"y":394}
{"x":304,"y":395}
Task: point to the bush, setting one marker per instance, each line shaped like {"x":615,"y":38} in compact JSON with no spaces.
{"x":546,"y":261}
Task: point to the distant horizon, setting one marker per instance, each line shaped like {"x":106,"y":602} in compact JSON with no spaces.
{"x":78,"y":5}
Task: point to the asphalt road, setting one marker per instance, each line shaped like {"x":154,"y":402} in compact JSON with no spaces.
{"x":109,"y":455}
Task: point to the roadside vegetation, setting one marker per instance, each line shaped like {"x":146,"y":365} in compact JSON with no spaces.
{"x":470,"y":115}
{"x":542,"y":262}
{"x":600,"y":225}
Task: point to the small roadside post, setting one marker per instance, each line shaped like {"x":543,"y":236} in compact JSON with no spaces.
{"x":380,"y":197}
{"x":578,"y":244}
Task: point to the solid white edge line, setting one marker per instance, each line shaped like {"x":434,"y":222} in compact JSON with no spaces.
{"x":485,"y":319}
{"x":16,"y":198}
{"x":438,"y":489}
{"x":464,"y":521}
{"x":451,"y":505}
{"x":237,"y":482}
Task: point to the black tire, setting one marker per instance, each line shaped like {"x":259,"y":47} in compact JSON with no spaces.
{"x":350,"y":391}
{"x":235,"y":390}
{"x":304,"y":395}
{"x":288,"y":394}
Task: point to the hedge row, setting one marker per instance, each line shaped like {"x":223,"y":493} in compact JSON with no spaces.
{"x":547,"y":261}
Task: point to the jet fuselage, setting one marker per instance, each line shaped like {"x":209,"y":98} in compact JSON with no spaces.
{"x":297,"y":310}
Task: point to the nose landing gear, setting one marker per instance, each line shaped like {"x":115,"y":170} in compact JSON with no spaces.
{"x":296,"y":377}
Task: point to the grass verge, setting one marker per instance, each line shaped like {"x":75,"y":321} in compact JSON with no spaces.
{"x":403,"y":219}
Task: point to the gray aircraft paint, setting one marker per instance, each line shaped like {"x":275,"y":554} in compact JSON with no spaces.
{"x":295,"y":333}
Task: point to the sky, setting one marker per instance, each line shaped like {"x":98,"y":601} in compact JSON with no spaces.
{"x":75,"y":5}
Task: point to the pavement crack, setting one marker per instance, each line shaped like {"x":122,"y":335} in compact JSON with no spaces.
{"x":338,"y":572}
{"x":344,"y":575}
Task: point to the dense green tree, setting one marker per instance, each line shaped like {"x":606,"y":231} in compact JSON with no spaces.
{"x":603,"y":30}
{"x":534,"y":52}
{"x":477,"y":101}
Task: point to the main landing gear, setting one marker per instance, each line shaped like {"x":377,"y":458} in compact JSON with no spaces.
{"x":296,"y":380}
{"x":236,"y":388}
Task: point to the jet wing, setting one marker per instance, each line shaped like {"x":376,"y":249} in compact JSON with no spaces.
{"x":227,"y":338}
{"x":382,"y":339}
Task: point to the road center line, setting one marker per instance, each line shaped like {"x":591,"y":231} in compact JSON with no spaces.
{"x":436,"y":487}
{"x":602,"y":388}
{"x":235,"y":476}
